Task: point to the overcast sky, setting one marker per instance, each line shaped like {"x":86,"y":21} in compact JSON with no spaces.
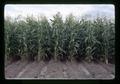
{"x":49,"y":10}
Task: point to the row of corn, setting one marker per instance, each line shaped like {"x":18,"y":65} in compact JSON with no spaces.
{"x":41,"y":39}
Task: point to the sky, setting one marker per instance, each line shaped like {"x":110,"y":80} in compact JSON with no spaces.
{"x":48,"y":10}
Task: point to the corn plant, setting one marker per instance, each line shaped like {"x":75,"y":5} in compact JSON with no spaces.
{"x":45,"y":40}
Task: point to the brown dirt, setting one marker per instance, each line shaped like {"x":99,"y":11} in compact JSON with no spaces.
{"x":31,"y":70}
{"x":98,"y":71}
{"x":59,"y":70}
{"x":13,"y":69}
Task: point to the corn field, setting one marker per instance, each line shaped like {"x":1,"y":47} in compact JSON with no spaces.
{"x":40,"y":39}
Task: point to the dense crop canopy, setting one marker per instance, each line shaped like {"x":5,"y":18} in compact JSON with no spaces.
{"x":60,"y":40}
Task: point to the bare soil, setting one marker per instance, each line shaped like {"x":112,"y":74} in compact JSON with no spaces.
{"x":59,"y":70}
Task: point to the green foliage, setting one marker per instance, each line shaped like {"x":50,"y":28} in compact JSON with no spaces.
{"x":83,"y":39}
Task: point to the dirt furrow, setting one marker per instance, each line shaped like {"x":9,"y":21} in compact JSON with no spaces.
{"x":12,"y":70}
{"x":97,"y":71}
{"x":76,"y":70}
{"x":109,"y":67}
{"x":52,"y":70}
{"x":32,"y":70}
